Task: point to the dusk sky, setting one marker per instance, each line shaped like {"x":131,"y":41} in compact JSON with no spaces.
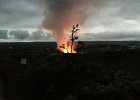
{"x":107,"y":20}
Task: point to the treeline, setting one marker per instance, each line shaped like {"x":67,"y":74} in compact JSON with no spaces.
{"x":101,"y":76}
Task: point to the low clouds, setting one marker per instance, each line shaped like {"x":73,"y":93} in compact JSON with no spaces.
{"x":118,"y":20}
{"x":37,"y":35}
{"x":112,"y":36}
{"x":3,"y":34}
{"x":21,"y":35}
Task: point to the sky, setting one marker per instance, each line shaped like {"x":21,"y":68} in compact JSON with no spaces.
{"x":108,"y":20}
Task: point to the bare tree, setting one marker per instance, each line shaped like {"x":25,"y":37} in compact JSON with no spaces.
{"x":73,"y":38}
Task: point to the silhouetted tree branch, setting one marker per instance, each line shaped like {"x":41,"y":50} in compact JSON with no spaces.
{"x":73,"y":38}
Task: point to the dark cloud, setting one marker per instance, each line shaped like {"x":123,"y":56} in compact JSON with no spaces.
{"x":19,"y":14}
{"x":3,"y":34}
{"x":25,"y":35}
{"x":38,"y":35}
{"x":117,"y":16}
{"x":109,"y":36}
{"x":117,"y":35}
{"x":18,"y":34}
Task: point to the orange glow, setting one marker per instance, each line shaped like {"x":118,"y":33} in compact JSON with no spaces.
{"x":65,"y":43}
{"x":67,"y":50}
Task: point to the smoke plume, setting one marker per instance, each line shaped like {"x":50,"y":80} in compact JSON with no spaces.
{"x":61,"y":15}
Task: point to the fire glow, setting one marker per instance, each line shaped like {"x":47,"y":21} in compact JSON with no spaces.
{"x":67,"y":50}
{"x":70,"y":46}
{"x":59,"y":16}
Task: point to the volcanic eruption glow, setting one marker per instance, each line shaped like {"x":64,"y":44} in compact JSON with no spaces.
{"x":68,"y":48}
{"x":61,"y":15}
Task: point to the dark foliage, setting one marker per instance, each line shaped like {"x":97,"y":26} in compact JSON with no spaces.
{"x":112,"y":75}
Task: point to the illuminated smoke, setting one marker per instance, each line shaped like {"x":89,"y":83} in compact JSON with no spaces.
{"x":61,"y":15}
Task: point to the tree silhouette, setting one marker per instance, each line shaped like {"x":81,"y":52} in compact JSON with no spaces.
{"x":73,"y":38}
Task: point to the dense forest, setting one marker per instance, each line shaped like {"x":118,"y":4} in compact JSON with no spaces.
{"x":106,"y":75}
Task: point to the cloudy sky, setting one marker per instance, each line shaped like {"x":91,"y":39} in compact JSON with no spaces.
{"x":115,"y":20}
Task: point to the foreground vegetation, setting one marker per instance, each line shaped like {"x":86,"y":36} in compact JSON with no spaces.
{"x":99,"y":76}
